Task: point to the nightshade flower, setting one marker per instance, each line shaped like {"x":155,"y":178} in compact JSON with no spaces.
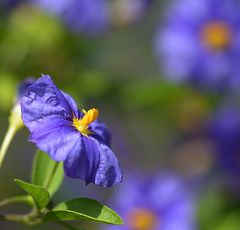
{"x":225,"y":131}
{"x":199,"y":43}
{"x":77,"y":138}
{"x":162,"y":201}
{"x":86,"y":16}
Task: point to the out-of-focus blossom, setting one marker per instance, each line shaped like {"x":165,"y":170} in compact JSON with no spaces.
{"x":162,"y":201}
{"x":199,"y":43}
{"x":77,"y":138}
{"x":86,"y":16}
{"x":125,"y":11}
{"x":225,"y":131}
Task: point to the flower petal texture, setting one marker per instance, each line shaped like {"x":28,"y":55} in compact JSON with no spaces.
{"x":50,"y":115}
{"x":57,"y":138}
{"x":22,"y":88}
{"x":97,"y":166}
{"x":100,"y":132}
{"x":43,"y":102}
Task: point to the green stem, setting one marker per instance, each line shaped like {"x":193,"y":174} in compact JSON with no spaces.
{"x":6,"y":142}
{"x":30,"y":218}
{"x":14,"y":217}
{"x":56,"y":164}
{"x":17,"y":199}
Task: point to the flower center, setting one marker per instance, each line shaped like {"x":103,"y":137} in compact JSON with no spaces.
{"x":216,"y":35}
{"x":142,"y":219}
{"x":82,"y":124}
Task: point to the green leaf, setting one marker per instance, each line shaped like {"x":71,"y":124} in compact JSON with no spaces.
{"x":39,"y":194}
{"x":230,"y":221}
{"x":46,"y":172}
{"x":83,"y":208}
{"x":211,"y":201}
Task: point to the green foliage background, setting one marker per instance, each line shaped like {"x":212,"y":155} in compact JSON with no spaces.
{"x":118,"y":73}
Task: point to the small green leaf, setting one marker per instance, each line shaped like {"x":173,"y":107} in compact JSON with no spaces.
{"x":46,"y":172}
{"x":83,"y":208}
{"x":39,"y":194}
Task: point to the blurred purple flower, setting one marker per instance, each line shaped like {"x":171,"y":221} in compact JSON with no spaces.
{"x":225,"y":131}
{"x":199,"y":43}
{"x":58,"y":128}
{"x":162,"y":201}
{"x":86,"y":16}
{"x":53,"y":6}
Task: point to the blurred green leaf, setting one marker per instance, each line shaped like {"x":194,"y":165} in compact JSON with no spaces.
{"x":230,"y":222}
{"x":26,"y":28}
{"x":213,"y":207}
{"x":47,"y":173}
{"x":26,"y":40}
{"x":83,"y":208}
{"x":90,"y":84}
{"x":39,"y":194}
{"x":150,"y":93}
{"x":8,"y":85}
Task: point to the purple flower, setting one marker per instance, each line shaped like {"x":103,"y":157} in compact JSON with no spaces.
{"x":86,"y":16}
{"x":161,"y":201}
{"x":199,"y":43}
{"x":225,"y":131}
{"x":77,"y":138}
{"x":53,"y":7}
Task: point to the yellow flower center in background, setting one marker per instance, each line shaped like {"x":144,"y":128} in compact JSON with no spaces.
{"x":82,"y":124}
{"x":216,"y":35}
{"x":142,"y":219}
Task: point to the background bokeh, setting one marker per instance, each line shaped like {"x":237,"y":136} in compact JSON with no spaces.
{"x":107,"y":54}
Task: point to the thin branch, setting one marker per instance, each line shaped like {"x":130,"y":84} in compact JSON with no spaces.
{"x":30,"y":218}
{"x":6,"y":142}
{"x":14,"y":217}
{"x":17,"y":199}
